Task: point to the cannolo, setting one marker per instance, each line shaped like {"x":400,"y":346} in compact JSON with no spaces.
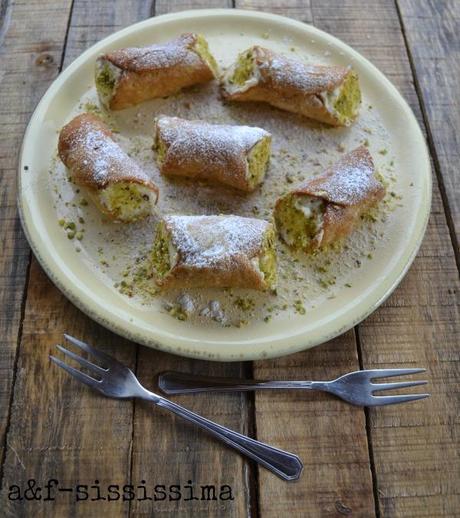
{"x":129,"y":76}
{"x":113,"y":180}
{"x":214,"y":252}
{"x":233,"y":155}
{"x":328,"y":207}
{"x":329,"y":94}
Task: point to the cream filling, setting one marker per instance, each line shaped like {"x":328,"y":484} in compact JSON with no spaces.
{"x":127,"y":202}
{"x":349,"y":86}
{"x":231,"y":87}
{"x":329,"y":99}
{"x":255,"y":261}
{"x":173,"y":255}
{"x":311,"y":209}
{"x":114,"y":72}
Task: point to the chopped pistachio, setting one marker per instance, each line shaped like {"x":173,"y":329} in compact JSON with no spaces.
{"x":299,"y":307}
{"x":246,"y":304}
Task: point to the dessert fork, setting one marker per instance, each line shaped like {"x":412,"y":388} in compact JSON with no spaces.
{"x":115,"y":380}
{"x":355,"y":387}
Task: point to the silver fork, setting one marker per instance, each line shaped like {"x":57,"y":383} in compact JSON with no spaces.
{"x":355,"y":387}
{"x":117,"y":381}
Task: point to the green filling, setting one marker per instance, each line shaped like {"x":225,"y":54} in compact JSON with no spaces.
{"x":297,"y":229}
{"x":243,"y":69}
{"x":105,"y":80}
{"x":258,"y":161}
{"x":349,"y":99}
{"x":126,"y":201}
{"x":202,"y":49}
{"x":160,"y":148}
{"x":160,"y":252}
{"x":267,"y":261}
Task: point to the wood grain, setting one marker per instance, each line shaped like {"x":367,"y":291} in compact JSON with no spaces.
{"x":29,"y":61}
{"x":418,"y":325}
{"x":410,"y":478}
{"x":134,"y":453}
{"x":431,"y":31}
{"x":173,"y":6}
{"x":42,"y":439}
{"x":59,"y":428}
{"x":330,"y":437}
{"x":170,"y":452}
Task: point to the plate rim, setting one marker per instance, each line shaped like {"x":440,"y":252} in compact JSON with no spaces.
{"x":84,"y":303}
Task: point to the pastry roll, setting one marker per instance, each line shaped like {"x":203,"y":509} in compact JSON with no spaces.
{"x":126,"y":77}
{"x":214,"y":252}
{"x":234,"y":155}
{"x":116,"y":184}
{"x":328,"y":207}
{"x":329,"y":94}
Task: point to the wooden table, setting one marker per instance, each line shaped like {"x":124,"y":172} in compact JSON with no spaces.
{"x":394,"y":461}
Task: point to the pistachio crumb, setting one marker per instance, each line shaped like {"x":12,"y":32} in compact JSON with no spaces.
{"x":299,"y":307}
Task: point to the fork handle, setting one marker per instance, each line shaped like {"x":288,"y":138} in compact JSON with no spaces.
{"x":284,"y":464}
{"x":180,"y":383}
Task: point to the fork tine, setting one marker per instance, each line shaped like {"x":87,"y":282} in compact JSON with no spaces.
{"x":91,"y":350}
{"x":394,"y":400}
{"x":81,"y":376}
{"x":82,"y":361}
{"x":388,"y":373}
{"x":402,"y":384}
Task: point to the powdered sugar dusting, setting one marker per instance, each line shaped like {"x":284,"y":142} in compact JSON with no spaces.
{"x":215,"y":241}
{"x":208,"y":140}
{"x":158,"y":56}
{"x":284,"y":72}
{"x":301,"y":150}
{"x":95,"y":159}
{"x":348,"y":182}
{"x":197,"y":148}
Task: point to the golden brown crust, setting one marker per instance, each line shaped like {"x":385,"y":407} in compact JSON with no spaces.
{"x":292,"y":85}
{"x":156,"y":71}
{"x":348,"y":188}
{"x":217,"y":152}
{"x":215,"y":252}
{"x":95,"y":160}
{"x":348,"y":182}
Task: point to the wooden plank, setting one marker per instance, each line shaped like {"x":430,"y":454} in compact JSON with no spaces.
{"x":431,"y":32}
{"x":173,"y":6}
{"x":42,"y":439}
{"x":414,"y":446}
{"x":407,"y":445}
{"x":166,"y":450}
{"x":157,"y":435}
{"x":59,"y":428}
{"x":329,"y":436}
{"x":29,"y":61}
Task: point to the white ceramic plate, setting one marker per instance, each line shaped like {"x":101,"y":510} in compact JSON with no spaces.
{"x":228,"y":31}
